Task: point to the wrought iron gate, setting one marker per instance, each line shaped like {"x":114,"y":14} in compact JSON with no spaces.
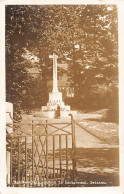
{"x":41,"y":154}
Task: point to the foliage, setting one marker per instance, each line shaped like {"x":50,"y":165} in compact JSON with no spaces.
{"x":83,"y":36}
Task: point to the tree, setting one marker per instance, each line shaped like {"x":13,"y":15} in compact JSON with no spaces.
{"x":96,"y":55}
{"x":59,"y":29}
{"x":35,"y":33}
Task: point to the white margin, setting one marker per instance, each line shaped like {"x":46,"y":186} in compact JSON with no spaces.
{"x":100,"y":190}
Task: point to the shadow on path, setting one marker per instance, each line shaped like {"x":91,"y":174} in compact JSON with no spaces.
{"x":98,"y":166}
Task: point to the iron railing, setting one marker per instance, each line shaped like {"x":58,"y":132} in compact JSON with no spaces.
{"x":41,"y":154}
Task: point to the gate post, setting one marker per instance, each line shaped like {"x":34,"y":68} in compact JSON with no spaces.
{"x":73,"y":148}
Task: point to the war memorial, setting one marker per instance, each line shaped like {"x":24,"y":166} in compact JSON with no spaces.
{"x":55,"y":98}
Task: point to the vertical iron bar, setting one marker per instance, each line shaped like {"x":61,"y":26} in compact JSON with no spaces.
{"x":60,"y":158}
{"x":46,"y":151}
{"x":72,"y":143}
{"x":25,"y":160}
{"x":66,"y":153}
{"x":22,"y":180}
{"x":74,"y":170}
{"x":11,"y":162}
{"x":73,"y":147}
{"x":53,"y":156}
{"x":74,"y":135}
{"x":32,"y":152}
{"x":18,"y":159}
{"x":29,"y":179}
{"x":73,"y":150}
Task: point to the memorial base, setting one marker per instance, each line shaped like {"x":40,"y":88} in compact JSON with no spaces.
{"x":52,"y":114}
{"x":55,"y":100}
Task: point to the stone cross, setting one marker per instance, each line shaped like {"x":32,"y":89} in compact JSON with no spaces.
{"x":55,"y":85}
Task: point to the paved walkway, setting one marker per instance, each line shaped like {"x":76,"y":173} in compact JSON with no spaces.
{"x":86,"y":140}
{"x":83,"y":138}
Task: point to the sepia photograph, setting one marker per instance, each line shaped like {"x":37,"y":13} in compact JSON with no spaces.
{"x":62,"y":95}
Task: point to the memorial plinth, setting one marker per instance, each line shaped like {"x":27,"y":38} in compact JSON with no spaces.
{"x":55,"y":98}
